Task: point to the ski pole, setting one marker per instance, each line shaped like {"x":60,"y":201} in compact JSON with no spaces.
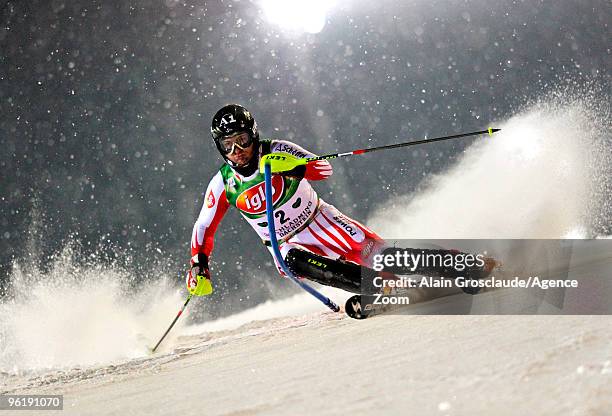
{"x":172,"y":324}
{"x":489,"y":131}
{"x":289,"y":163}
{"x":274,"y":242}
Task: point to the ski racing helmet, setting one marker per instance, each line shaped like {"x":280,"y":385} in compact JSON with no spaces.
{"x":230,"y":120}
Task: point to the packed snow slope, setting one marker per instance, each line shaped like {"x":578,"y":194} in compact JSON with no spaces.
{"x":323,"y":363}
{"x":544,"y":175}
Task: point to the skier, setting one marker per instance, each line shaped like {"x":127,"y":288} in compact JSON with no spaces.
{"x":317,"y":241}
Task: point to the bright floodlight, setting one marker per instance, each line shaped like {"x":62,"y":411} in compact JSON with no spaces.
{"x":297,"y":15}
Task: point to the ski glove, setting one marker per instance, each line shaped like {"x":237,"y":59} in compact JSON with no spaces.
{"x":198,"y":278}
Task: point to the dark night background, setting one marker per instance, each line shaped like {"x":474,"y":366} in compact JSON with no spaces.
{"x":105,"y":109}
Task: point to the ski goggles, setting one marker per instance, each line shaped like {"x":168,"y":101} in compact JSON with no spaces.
{"x":242,"y":141}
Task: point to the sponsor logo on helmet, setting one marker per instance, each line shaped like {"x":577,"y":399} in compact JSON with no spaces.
{"x":253,"y":200}
{"x":227,"y":119}
{"x":210,"y":199}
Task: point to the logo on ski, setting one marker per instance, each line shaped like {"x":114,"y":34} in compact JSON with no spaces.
{"x":253,"y":200}
{"x":227,"y":119}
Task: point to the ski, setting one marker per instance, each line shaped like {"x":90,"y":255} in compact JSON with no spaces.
{"x":366,"y":306}
{"x":363,"y":306}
